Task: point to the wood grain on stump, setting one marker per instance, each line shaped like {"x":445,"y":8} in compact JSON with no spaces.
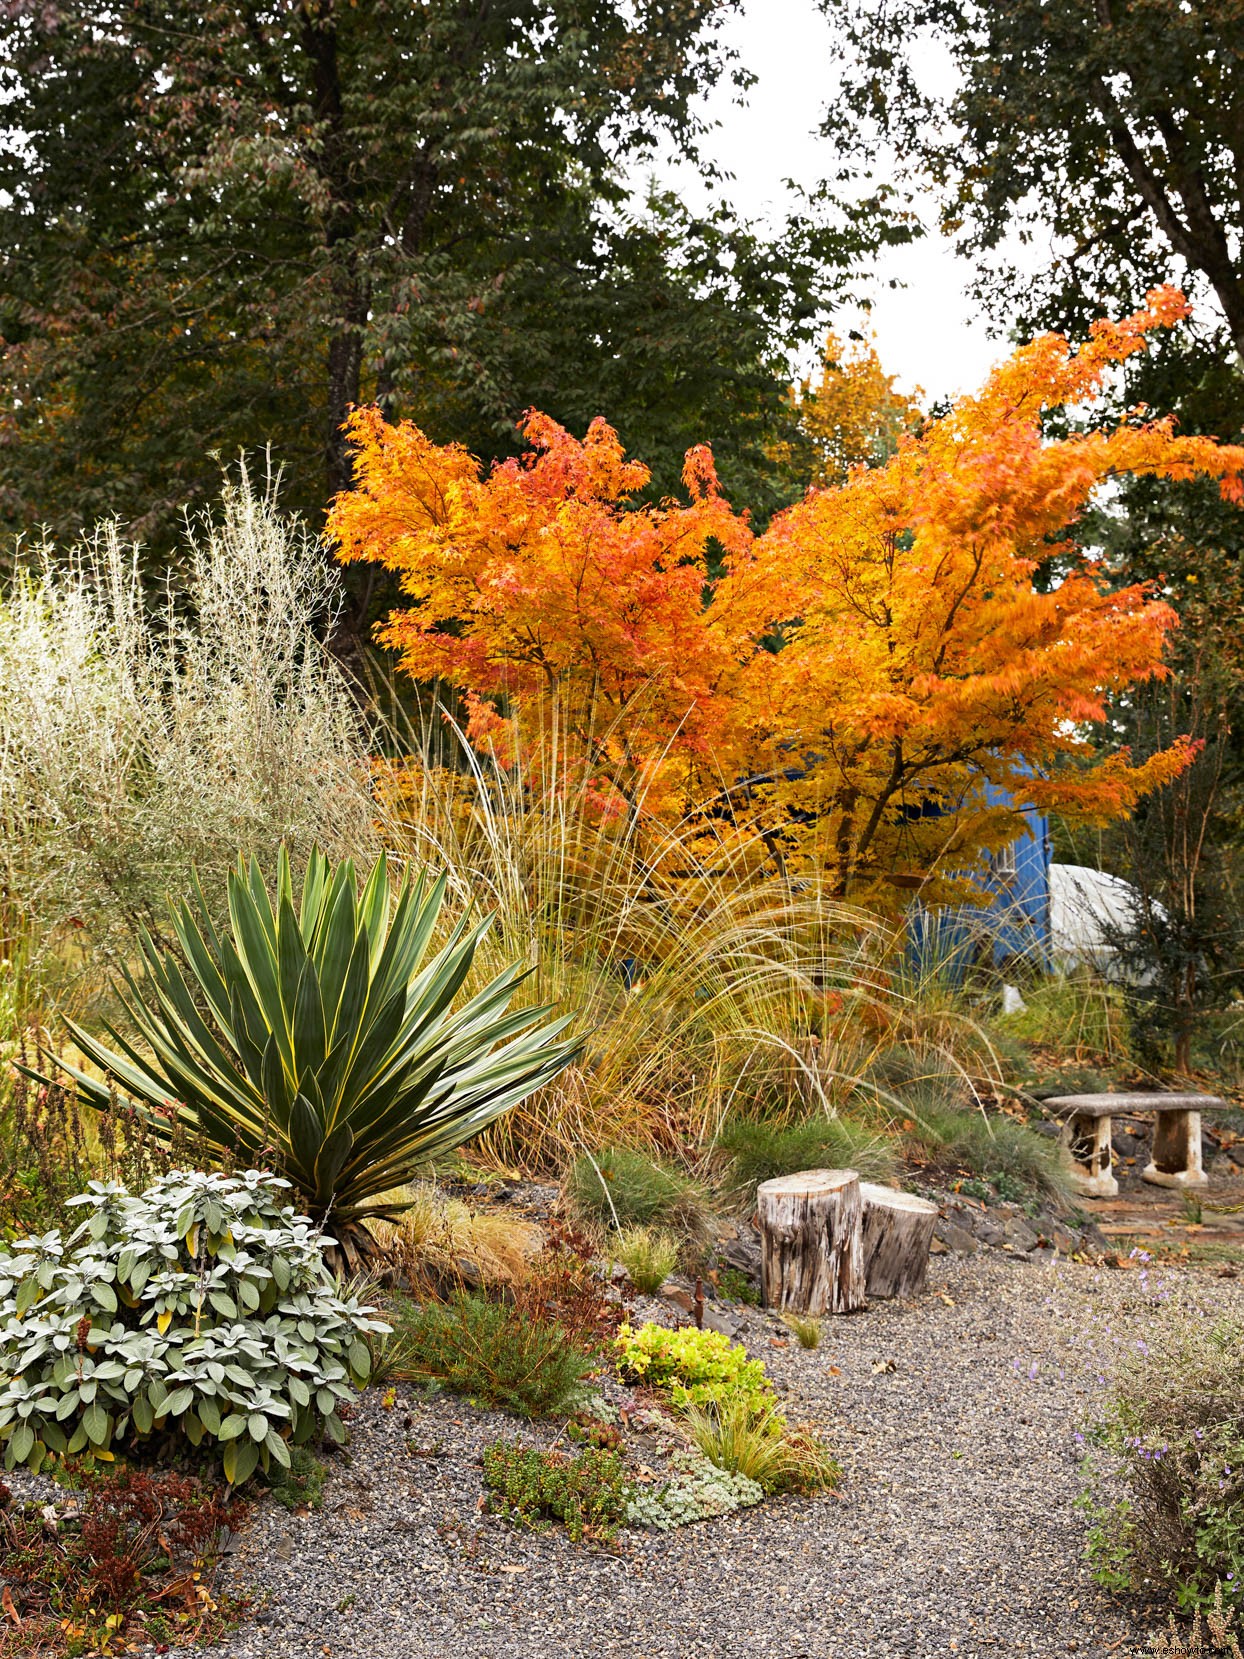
{"x":812,"y":1257}
{"x":897,"y":1232}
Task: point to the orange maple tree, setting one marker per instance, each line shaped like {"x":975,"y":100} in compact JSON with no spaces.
{"x":853,"y":413}
{"x":921,"y":657}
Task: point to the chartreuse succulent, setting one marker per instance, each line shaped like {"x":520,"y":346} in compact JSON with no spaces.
{"x":202,"y":1309}
{"x":323,"y":1038}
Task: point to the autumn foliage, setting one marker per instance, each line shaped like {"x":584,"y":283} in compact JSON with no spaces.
{"x":940,"y":628}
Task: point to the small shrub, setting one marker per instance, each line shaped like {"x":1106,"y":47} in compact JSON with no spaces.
{"x":736,"y":1286}
{"x":761,"y":1151}
{"x":301,"y":1486}
{"x":378,"y":1072}
{"x":619,"y":1187}
{"x":587,"y":1492}
{"x":133,"y":1557}
{"x":1173,"y":1438}
{"x":737,"y":1437}
{"x":696,"y":1491}
{"x":564,"y":1285}
{"x":200,"y":1311}
{"x":693,"y":1367}
{"x":491,"y":1353}
{"x":807,"y":1332}
{"x":648,"y":1256}
{"x":996,"y":1148}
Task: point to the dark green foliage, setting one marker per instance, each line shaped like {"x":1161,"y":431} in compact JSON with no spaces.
{"x":620,"y":1187}
{"x":491,"y":1353}
{"x":760,"y":1151}
{"x":1113,"y":126}
{"x":301,"y":1486}
{"x":222,"y":227}
{"x":586,"y":1492}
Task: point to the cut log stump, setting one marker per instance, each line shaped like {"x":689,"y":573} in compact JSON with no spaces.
{"x":898,"y":1232}
{"x":812,"y":1257}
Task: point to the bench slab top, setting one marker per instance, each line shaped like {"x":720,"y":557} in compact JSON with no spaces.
{"x":1106,"y":1105}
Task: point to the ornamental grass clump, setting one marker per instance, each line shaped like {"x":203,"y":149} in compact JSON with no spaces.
{"x":490,"y":1352}
{"x":648,"y":1255}
{"x":1172,"y":1438}
{"x":201,"y":1312}
{"x":322,"y":1035}
{"x":620,"y":1187}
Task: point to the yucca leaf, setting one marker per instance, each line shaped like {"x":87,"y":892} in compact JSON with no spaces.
{"x":278,"y":1086}
{"x":291,"y":955}
{"x":310,"y":1036}
{"x":306,"y":1137}
{"x":314,"y":882}
{"x":373,"y":908}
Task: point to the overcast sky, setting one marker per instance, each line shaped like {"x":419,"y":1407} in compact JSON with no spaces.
{"x":928,"y":332}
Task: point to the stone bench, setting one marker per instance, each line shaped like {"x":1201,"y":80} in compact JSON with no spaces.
{"x":1087,"y":1130}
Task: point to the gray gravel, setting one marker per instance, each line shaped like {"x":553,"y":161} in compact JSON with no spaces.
{"x":954,"y":1533}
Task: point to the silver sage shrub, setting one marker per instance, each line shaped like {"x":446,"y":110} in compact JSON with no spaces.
{"x":201,"y":1309}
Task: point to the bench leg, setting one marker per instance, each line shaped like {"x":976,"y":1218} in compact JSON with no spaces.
{"x":1086,"y":1144}
{"x":1176,"y":1160}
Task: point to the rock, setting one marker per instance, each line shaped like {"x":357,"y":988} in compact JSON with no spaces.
{"x":1020,"y":1236}
{"x":715,"y":1320}
{"x":678,"y":1296}
{"x":955,"y":1238}
{"x":743,"y":1254}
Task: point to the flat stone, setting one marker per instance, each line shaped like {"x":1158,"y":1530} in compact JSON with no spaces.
{"x":955,"y":1238}
{"x":1020,"y":1236}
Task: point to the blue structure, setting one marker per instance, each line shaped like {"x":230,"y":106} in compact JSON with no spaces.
{"x":1016,"y":921}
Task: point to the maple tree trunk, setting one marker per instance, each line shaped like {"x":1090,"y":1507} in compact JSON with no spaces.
{"x":812,"y":1249}
{"x":897,"y":1235}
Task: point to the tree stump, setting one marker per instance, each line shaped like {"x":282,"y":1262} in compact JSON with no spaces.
{"x":897,"y":1234}
{"x":812,"y":1257}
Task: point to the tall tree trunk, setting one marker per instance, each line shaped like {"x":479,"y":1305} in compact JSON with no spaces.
{"x":349,"y":290}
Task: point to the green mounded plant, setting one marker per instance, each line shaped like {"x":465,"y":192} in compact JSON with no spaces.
{"x":586,"y":1491}
{"x":202,"y":1311}
{"x":620,"y":1187}
{"x":693,"y":1367}
{"x":758,"y":1151}
{"x":329,"y":1044}
{"x":994,"y":1147}
{"x":649,"y":1257}
{"x":696,"y":1490}
{"x":490,"y":1352}
{"x":1172,"y":1437}
{"x":757,"y":1443}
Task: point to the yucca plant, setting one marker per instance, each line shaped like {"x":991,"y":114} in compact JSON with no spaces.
{"x":320,"y":1042}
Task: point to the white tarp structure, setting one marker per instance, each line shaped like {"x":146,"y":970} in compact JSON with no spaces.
{"x":1084,"y":904}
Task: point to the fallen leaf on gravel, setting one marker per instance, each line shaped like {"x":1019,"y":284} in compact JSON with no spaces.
{"x":946,"y":1299}
{"x":833,"y":1370}
{"x":779,"y":1342}
{"x":7,"y":1602}
{"x":506,"y":1567}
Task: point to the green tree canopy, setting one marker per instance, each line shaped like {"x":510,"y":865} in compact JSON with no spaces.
{"x":1115,"y":126}
{"x":224,"y":223}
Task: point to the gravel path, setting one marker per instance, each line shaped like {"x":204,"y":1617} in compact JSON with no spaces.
{"x":954,"y":1533}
